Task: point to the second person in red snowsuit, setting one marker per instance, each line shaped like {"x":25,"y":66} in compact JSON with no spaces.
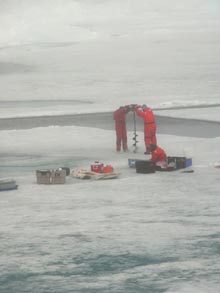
{"x":149,"y":125}
{"x":157,"y":154}
{"x":120,"y":127}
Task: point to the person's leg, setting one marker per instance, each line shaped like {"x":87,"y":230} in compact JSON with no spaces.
{"x":147,"y":141}
{"x":124,"y":140}
{"x":118,"y":138}
{"x":152,"y":131}
{"x":118,"y":143}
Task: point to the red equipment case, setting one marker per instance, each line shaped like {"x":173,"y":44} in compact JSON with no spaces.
{"x":97,"y":167}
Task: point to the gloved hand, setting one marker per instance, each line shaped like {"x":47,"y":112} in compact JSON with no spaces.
{"x":137,"y":107}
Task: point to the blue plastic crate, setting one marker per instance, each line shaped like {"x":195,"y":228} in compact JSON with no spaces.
{"x":132,"y":163}
{"x":188,"y":162}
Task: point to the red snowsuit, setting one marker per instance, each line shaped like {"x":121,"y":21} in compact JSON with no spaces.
{"x":120,"y":127}
{"x":149,"y":125}
{"x":158,"y":155}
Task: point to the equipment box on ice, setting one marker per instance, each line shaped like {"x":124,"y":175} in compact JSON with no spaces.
{"x":43,"y":176}
{"x":132,"y":162}
{"x":180,"y":162}
{"x":145,"y":167}
{"x":97,"y":167}
{"x":57,"y":176}
{"x":7,"y":184}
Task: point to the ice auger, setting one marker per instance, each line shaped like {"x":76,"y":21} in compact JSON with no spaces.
{"x":135,"y":134}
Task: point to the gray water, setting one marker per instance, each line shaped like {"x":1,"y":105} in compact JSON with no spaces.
{"x":165,"y":125}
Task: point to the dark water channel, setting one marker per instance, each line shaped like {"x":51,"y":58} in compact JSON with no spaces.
{"x":165,"y":125}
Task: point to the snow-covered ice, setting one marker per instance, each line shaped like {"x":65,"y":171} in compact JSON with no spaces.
{"x":138,"y":233}
{"x":158,"y":232}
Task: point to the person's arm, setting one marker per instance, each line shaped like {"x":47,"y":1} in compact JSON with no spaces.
{"x":154,"y":156}
{"x":140,"y":113}
{"x":127,"y":108}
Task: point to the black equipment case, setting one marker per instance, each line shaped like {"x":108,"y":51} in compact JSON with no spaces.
{"x":145,"y":167}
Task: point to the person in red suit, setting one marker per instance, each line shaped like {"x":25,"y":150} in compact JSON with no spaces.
{"x":149,"y":125}
{"x":120,"y":127}
{"x":158,"y":155}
